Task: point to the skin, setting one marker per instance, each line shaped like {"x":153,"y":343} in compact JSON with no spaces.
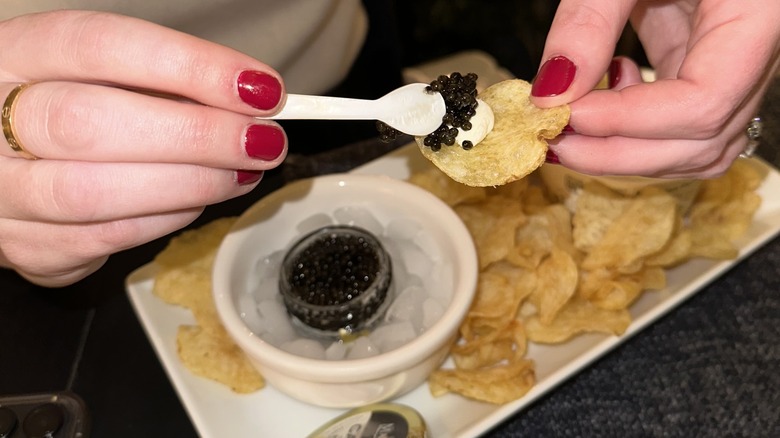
{"x":713,"y":60}
{"x":105,"y":148}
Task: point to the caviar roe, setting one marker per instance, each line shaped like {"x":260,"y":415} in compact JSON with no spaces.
{"x":460,"y":99}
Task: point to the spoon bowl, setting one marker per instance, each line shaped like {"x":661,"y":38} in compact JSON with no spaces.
{"x":409,"y":109}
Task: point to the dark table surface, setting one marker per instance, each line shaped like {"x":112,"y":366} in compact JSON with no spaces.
{"x":709,"y":368}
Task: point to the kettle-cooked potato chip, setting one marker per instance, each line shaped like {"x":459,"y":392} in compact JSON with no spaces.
{"x":513,"y":149}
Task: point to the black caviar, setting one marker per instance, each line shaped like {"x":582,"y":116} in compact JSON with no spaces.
{"x":336,"y":279}
{"x":460,"y":98}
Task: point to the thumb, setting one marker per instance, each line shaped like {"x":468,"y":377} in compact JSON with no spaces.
{"x":579,"y":48}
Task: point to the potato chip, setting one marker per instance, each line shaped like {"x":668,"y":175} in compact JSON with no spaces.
{"x":513,"y":149}
{"x":577,"y":317}
{"x":500,"y":292}
{"x":507,"y":344}
{"x":558,"y":277}
{"x":514,"y":190}
{"x":742,"y":177}
{"x":532,"y":243}
{"x":210,"y":353}
{"x":732,"y":217}
{"x":489,"y":224}
{"x":676,"y":251}
{"x":641,"y":230}
{"x":711,"y":243}
{"x":497,"y":385}
{"x":445,"y":188}
{"x":652,"y":278}
{"x":547,"y":228}
{"x":596,"y":209}
{"x":617,"y":294}
{"x":185,"y":264}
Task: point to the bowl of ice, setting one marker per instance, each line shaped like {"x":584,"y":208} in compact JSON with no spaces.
{"x":345,"y":290}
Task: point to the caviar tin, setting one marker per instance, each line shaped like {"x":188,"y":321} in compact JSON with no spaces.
{"x":335,"y":281}
{"x":389,"y":420}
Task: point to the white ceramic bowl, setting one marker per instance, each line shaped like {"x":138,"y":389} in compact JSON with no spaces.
{"x":270,"y":225}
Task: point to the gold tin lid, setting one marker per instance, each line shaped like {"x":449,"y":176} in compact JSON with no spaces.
{"x":382,"y":420}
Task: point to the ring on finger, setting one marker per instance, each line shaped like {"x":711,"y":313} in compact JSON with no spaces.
{"x":753,"y":133}
{"x":8,"y":122}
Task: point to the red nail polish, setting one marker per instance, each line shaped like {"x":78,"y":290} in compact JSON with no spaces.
{"x":614,"y":73}
{"x":259,"y":90}
{"x":264,"y":142}
{"x":552,"y":158}
{"x":554,"y":78}
{"x":568,"y":130}
{"x":246,"y":177}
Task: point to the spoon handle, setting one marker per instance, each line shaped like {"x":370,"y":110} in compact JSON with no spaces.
{"x":408,"y":109}
{"x":305,"y":107}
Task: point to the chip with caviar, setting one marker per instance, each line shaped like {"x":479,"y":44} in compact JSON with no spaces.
{"x":514,"y":148}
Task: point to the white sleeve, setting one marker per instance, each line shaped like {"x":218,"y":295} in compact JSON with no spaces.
{"x":311,"y":43}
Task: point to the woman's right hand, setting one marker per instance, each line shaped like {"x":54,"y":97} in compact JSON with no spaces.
{"x":137,"y":128}
{"x":713,"y":61}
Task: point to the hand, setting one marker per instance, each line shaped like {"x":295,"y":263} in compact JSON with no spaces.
{"x":713,"y":61}
{"x":137,"y":128}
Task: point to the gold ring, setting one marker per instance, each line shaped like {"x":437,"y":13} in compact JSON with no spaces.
{"x":8,"y":119}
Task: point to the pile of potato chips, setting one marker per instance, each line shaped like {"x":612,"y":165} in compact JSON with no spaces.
{"x":548,"y":274}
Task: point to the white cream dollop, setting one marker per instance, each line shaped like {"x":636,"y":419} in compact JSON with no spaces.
{"x":481,"y":125}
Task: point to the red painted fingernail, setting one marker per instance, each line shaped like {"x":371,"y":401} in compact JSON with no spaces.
{"x":552,"y":158}
{"x":246,"y":177}
{"x":554,"y":78}
{"x":259,"y":90}
{"x":568,"y":130}
{"x":265,"y":142}
{"x":614,"y":73}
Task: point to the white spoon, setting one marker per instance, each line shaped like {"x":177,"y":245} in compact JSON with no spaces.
{"x":409,"y":109}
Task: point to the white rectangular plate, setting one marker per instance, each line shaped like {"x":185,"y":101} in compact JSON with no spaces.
{"x":218,"y":412}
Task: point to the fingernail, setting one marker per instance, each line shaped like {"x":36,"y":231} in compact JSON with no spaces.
{"x":259,"y":90}
{"x":265,"y":142}
{"x":552,"y":158}
{"x":568,"y":130}
{"x":614,"y":73}
{"x":246,"y":177}
{"x":554,"y":78}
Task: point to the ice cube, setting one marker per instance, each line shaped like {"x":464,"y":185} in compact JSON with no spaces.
{"x":403,"y":229}
{"x":268,"y":268}
{"x":276,"y":326}
{"x":428,"y":246}
{"x":314,"y":222}
{"x":305,"y":348}
{"x":336,"y":351}
{"x":391,"y":336}
{"x":359,"y":217}
{"x":432,"y":312}
{"x":440,"y":282}
{"x":407,"y":306}
{"x":361,"y":348}
{"x":247,"y":308}
{"x":415,"y":260}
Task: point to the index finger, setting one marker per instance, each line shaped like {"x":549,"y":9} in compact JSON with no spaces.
{"x":579,"y":48}
{"x":117,"y":50}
